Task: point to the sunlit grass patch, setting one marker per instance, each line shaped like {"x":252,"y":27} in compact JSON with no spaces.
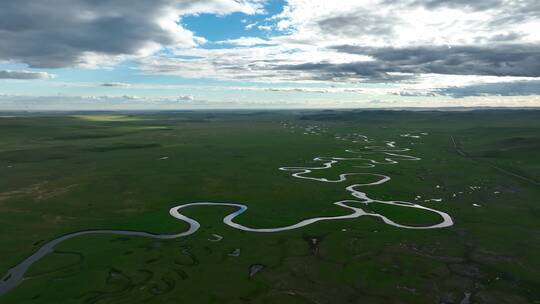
{"x":104,"y":117}
{"x":151,"y":128}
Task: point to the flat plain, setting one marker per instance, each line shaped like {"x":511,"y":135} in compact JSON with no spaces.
{"x":63,"y":173}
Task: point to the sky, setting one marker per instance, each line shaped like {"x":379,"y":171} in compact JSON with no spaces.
{"x":189,"y":54}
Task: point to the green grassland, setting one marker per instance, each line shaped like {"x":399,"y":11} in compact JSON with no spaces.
{"x":65,"y":173}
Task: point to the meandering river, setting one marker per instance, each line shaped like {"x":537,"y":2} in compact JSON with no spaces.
{"x":392,"y":155}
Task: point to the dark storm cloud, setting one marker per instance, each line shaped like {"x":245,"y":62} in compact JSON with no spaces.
{"x":476,"y":5}
{"x":58,"y":33}
{"x":370,"y":71}
{"x":357,"y":23}
{"x":115,"y":84}
{"x":501,"y":60}
{"x":52,"y":35}
{"x":508,"y":37}
{"x":399,"y":64}
{"x":517,"y":88}
{"x":517,"y":13}
{"x":473,"y":4}
{"x":7,"y":74}
{"x":507,"y":12}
